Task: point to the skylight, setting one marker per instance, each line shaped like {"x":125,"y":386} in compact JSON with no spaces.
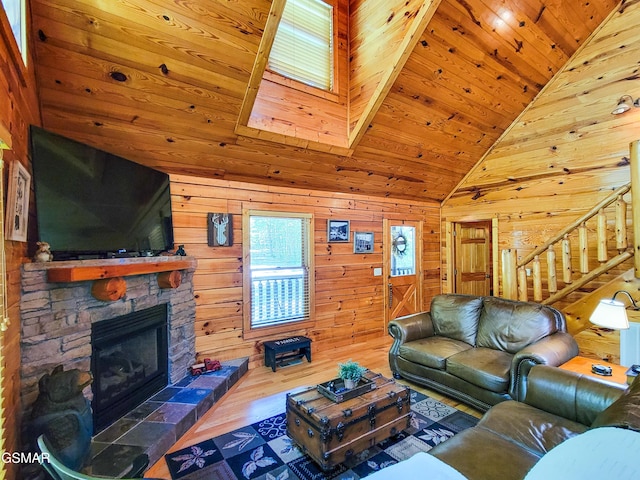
{"x":303,"y":45}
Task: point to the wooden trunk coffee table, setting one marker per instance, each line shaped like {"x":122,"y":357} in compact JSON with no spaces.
{"x":331,"y":432}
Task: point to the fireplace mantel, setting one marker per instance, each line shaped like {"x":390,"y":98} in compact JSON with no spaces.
{"x":87,"y":270}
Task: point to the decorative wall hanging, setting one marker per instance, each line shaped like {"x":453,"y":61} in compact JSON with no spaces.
{"x":17,"y":215}
{"x":362,"y":242}
{"x":338,"y":231}
{"x":399,"y":245}
{"x":219,"y":230}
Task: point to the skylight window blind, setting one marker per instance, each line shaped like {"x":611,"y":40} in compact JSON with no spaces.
{"x":303,"y":46}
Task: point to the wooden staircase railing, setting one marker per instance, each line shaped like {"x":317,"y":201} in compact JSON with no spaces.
{"x":516,"y":274}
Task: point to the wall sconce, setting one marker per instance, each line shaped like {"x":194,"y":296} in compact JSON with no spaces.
{"x":625,"y":103}
{"x":611,"y":313}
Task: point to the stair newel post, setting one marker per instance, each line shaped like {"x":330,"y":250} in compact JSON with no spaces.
{"x":635,"y":202}
{"x":551,"y":270}
{"x":523,"y":294}
{"x":601,"y":235}
{"x":537,"y":280}
{"x":621,"y":224}
{"x":566,"y":260}
{"x":509,"y":275}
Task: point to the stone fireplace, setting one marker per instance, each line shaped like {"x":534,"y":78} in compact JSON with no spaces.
{"x":58,"y":308}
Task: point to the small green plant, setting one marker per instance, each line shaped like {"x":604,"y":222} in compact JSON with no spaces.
{"x":351,"y":370}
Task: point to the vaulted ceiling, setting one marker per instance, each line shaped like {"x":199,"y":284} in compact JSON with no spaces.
{"x":162,"y":82}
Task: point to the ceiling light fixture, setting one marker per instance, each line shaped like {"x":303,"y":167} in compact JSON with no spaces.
{"x":625,"y":103}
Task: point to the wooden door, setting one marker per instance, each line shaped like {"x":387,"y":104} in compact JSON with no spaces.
{"x":403,"y":267}
{"x":472,"y":258}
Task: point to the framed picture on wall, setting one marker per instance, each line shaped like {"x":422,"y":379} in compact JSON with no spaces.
{"x":219,"y":230}
{"x":17,"y":215}
{"x":338,"y":231}
{"x":362,"y":242}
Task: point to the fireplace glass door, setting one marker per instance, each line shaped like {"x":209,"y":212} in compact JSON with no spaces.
{"x":129,"y":362}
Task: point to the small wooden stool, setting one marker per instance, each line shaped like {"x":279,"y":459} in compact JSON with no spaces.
{"x":277,"y":352}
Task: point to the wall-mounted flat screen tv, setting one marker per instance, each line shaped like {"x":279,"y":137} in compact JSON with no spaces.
{"x":92,"y":204}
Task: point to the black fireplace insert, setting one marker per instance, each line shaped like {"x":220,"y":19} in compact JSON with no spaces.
{"x":129,"y":362}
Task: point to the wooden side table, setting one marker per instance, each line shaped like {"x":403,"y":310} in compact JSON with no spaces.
{"x":583,"y":365}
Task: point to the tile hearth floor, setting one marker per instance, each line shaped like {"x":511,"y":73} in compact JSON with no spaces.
{"x":158,"y":423}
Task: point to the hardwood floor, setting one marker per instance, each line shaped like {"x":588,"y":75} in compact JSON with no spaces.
{"x":261,"y":393}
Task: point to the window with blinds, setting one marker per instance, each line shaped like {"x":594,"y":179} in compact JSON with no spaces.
{"x":303,"y":46}
{"x":280,"y":274}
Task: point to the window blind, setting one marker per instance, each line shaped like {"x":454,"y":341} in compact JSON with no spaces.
{"x":279,"y":253}
{"x":303,"y":46}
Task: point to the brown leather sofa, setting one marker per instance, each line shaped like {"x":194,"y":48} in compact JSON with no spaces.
{"x":514,"y":436}
{"x":478,"y":349}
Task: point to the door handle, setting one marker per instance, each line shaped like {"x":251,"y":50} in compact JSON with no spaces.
{"x":390,"y":296}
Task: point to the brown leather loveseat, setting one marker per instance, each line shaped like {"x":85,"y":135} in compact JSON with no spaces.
{"x":515,"y":439}
{"x":478,"y":349}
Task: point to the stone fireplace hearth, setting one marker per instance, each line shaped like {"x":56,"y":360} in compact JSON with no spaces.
{"x":56,"y":315}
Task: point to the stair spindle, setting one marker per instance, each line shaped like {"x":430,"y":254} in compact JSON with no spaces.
{"x":551,"y":270}
{"x":537,"y":280}
{"x":566,"y":260}
{"x":583,"y":245}
{"x":621,"y":224}
{"x":523,"y":294}
{"x":601,"y":235}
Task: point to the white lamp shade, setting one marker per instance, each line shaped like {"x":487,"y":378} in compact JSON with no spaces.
{"x":610,"y":314}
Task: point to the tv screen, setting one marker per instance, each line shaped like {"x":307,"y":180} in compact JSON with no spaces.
{"x":92,"y":204}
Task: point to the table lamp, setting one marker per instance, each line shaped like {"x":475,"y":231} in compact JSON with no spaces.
{"x":611,"y":313}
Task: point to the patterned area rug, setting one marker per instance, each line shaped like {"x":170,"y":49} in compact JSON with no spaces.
{"x":263,"y":450}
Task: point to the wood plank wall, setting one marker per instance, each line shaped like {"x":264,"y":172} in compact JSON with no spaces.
{"x":18,"y":109}
{"x":565,"y":152}
{"x":349,"y":298}
{"x":371,"y":21}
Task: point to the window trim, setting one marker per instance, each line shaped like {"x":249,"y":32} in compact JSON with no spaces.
{"x":249,"y":332}
{"x":330,"y":93}
{"x":17,"y":51}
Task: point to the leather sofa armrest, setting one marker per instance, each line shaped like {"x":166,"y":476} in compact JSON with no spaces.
{"x":405,"y":329}
{"x":411,"y":327}
{"x":571,"y":395}
{"x":553,"y":350}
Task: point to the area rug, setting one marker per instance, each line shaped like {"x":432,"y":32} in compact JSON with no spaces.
{"x":263,"y":450}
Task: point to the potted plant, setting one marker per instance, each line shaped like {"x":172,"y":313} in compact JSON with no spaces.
{"x":351,"y":372}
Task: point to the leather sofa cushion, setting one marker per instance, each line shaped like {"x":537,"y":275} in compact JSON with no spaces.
{"x":624,"y":412}
{"x":456,"y":316}
{"x":432,"y":351}
{"x":510,"y":326}
{"x":482,"y":367}
{"x":531,"y":428}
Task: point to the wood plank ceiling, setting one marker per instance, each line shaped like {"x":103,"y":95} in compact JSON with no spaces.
{"x":161,"y":82}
